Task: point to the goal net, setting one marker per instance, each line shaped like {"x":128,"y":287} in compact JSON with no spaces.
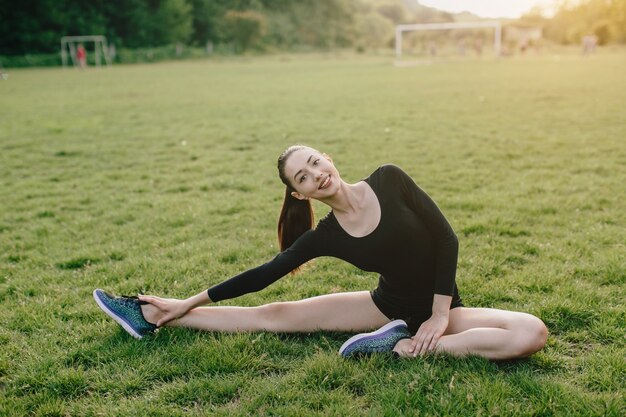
{"x":99,"y":49}
{"x":448,"y":39}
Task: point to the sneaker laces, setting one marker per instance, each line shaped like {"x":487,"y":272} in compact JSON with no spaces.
{"x":129,"y":299}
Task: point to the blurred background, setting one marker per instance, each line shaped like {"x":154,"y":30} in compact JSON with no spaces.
{"x":153,"y":30}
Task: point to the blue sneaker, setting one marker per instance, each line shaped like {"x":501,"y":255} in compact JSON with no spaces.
{"x":126,"y":311}
{"x":381,"y":340}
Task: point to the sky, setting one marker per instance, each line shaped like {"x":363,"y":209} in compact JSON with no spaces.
{"x":490,"y":8}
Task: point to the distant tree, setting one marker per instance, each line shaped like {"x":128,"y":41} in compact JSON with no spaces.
{"x":34,"y":26}
{"x":375,"y":31}
{"x":245,"y":28}
{"x":30,"y":26}
{"x":429,"y":15}
{"x":172,"y":22}
{"x":281,"y":31}
{"x":129,"y":23}
{"x":617,"y":14}
{"x":602,"y":29}
{"x":205,"y":20}
{"x":324,"y":23}
{"x":604,"y":18}
{"x":394,"y":11}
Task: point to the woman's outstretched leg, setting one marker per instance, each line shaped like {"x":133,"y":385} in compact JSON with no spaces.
{"x":493,"y":334}
{"x":349,"y":311}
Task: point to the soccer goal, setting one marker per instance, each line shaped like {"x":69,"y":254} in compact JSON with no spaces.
{"x":100,"y":49}
{"x":451,"y":26}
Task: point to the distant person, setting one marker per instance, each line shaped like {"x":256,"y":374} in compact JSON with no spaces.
{"x":432,"y":48}
{"x":523,"y":45}
{"x":81,"y":56}
{"x":384,"y":223}
{"x":461,"y":47}
{"x":590,"y":42}
{"x":478,"y":47}
{"x":112,"y":52}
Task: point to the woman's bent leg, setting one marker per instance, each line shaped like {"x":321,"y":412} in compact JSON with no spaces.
{"x":350,"y":311}
{"x":490,"y":333}
{"x":494,"y":334}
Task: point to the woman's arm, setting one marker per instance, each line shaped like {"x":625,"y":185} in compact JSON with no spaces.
{"x":252,"y":280}
{"x":444,"y":238}
{"x":304,"y":249}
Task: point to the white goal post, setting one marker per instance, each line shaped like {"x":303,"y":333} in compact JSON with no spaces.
{"x":497,"y":37}
{"x":100,"y":48}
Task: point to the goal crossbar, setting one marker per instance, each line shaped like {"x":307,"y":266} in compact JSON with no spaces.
{"x":497,"y":38}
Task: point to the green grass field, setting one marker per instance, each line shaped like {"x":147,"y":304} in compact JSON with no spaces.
{"x":161,"y":179}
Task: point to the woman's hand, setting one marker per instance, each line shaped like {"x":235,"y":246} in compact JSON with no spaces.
{"x":427,"y":336}
{"x":170,"y":308}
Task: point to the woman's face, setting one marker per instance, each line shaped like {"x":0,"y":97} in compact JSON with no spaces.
{"x":312,"y":174}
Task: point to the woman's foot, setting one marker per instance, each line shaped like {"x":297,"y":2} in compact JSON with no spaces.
{"x":381,"y":340}
{"x":403,"y":348}
{"x":151,"y":313}
{"x":126,"y":311}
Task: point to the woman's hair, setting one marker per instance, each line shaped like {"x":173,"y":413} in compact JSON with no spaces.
{"x":296,"y":216}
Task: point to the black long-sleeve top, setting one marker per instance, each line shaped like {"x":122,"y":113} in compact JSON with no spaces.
{"x":413,"y":247}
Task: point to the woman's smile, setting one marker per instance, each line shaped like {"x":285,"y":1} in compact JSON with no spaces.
{"x":325,"y":183}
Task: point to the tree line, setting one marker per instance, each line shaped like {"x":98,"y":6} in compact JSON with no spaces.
{"x":36,"y":26}
{"x":606,"y":19}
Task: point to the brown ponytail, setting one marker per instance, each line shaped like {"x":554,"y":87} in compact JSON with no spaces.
{"x":296,"y":216}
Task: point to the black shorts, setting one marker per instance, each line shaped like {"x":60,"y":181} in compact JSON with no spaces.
{"x":414,"y":315}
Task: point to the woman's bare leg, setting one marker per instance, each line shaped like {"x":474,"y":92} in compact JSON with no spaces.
{"x":493,"y":334}
{"x":349,"y":311}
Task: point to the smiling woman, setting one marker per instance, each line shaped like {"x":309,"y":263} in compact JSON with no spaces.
{"x":384,"y":223}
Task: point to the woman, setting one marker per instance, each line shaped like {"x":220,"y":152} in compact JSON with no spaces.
{"x":384,"y":223}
